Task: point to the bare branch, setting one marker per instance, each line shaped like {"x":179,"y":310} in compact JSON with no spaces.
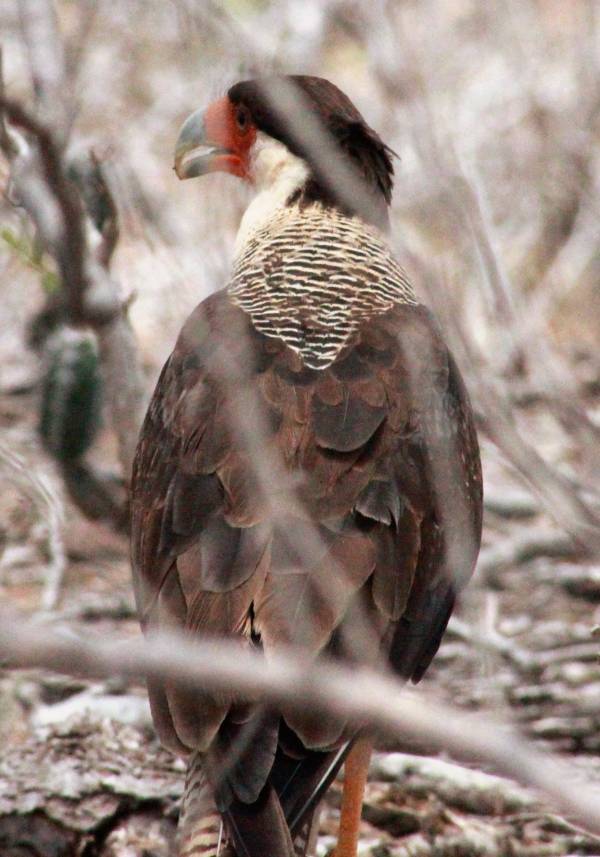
{"x":92,"y":296}
{"x":510,"y":552}
{"x":554,"y":490}
{"x":510,"y":504}
{"x":489,"y":640}
{"x":39,"y":27}
{"x":69,"y":245}
{"x":361,"y":696}
{"x":7,"y":144}
{"x":123,"y":384}
{"x":43,"y":494}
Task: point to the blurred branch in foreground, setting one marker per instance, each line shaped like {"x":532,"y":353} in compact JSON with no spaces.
{"x":287,"y":680}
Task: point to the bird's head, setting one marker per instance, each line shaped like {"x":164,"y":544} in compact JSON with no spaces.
{"x":299,"y":133}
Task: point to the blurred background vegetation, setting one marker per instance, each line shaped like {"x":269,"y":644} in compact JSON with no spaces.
{"x":503,"y":94}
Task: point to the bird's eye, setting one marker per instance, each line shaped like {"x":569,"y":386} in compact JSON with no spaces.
{"x":242,"y":119}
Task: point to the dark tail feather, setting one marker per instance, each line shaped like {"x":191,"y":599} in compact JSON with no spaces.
{"x":275,"y":820}
{"x":415,"y":642}
{"x":242,"y":756}
{"x":259,"y":829}
{"x":305,"y":791}
{"x":309,"y":783}
{"x":280,"y":822}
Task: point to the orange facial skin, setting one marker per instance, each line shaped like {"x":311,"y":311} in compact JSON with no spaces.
{"x":229,"y":129}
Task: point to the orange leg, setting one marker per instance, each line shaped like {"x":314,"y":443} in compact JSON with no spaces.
{"x":355,"y":778}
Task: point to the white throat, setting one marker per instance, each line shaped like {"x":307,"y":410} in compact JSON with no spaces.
{"x":276,"y":173}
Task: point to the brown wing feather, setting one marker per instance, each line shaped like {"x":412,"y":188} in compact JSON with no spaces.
{"x":444,"y":473}
{"x":389,"y":482}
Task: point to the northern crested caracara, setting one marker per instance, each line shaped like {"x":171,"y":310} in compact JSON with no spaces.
{"x":307,"y":474}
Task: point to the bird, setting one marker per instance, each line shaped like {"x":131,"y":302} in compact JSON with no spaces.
{"x":307,"y":475}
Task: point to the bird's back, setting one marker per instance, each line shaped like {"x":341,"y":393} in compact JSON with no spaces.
{"x":315,"y":441}
{"x":307,"y":475}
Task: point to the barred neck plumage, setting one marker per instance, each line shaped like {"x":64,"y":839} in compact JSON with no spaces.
{"x":310,"y":275}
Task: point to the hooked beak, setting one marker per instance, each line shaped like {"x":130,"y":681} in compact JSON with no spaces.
{"x":195,"y":153}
